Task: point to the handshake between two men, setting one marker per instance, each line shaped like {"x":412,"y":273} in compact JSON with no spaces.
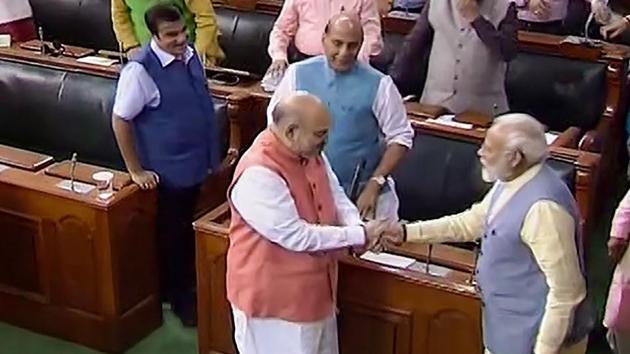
{"x":382,"y":234}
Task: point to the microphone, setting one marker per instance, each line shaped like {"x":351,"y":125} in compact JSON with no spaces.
{"x":73,"y":166}
{"x":426,"y":266}
{"x":40,"y":34}
{"x":354,"y":186}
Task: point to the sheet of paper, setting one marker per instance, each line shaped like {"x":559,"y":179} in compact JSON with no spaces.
{"x":388,"y":259}
{"x":434,"y":269}
{"x":550,"y":137}
{"x":404,"y":15}
{"x":94,"y":60}
{"x":79,"y":187}
{"x":5,"y":40}
{"x":3,"y":167}
{"x":447,"y":119}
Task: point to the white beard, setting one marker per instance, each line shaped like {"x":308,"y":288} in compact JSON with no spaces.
{"x":487,"y":175}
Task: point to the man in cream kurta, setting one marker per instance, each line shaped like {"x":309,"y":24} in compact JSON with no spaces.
{"x":547,"y":234}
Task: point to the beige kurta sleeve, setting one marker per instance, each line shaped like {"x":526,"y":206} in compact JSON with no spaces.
{"x":549,"y":231}
{"x":463,"y":227}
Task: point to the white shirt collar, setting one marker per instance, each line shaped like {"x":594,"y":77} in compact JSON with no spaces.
{"x":167,"y":58}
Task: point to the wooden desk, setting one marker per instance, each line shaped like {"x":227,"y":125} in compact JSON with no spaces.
{"x":76,"y":267}
{"x":383,"y":310}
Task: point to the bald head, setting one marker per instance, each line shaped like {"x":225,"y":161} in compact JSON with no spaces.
{"x":342,"y":40}
{"x":347,"y":23}
{"x":302,"y":123}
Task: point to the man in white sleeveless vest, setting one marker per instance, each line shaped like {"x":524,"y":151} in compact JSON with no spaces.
{"x":530,"y":273}
{"x":471,"y":42}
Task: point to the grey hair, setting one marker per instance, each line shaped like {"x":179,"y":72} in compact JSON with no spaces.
{"x":525,"y":134}
{"x":280,"y":110}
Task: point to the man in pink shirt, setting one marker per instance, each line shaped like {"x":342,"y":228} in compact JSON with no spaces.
{"x":549,"y":16}
{"x":301,"y":24}
{"x":617,"y":318}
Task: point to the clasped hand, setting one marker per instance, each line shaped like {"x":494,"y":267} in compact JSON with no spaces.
{"x":381,"y":234}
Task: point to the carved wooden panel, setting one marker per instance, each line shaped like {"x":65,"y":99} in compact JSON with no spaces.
{"x":134,"y":287}
{"x":75,"y":283}
{"x":19,"y":254}
{"x":373,"y":330}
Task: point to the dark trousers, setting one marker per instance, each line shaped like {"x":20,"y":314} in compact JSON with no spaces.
{"x":176,"y":244}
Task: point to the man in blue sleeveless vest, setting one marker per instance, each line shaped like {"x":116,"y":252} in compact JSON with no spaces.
{"x":370,"y":128}
{"x":530,"y":273}
{"x":164,"y":123}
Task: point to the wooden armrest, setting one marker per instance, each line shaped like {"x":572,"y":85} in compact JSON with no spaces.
{"x":83,"y":173}
{"x":475,"y":118}
{"x":591,"y":141}
{"x":425,"y":110}
{"x":568,"y":138}
{"x":24,"y":159}
{"x":237,"y":104}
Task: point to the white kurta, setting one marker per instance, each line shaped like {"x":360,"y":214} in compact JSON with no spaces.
{"x":391,"y":114}
{"x":13,"y":10}
{"x":264,"y":201}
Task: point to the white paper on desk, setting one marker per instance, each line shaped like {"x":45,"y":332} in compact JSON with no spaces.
{"x":79,"y":187}
{"x":550,"y":137}
{"x":388,"y":259}
{"x":3,"y":167}
{"x":434,"y":269}
{"x":95,"y":60}
{"x":447,"y":119}
{"x":5,"y":40}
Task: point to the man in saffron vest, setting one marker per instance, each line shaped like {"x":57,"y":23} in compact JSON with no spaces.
{"x":470,"y":43}
{"x":369,"y":129}
{"x":290,"y":218}
{"x":198,"y":16}
{"x":530,"y":274}
{"x":164,"y":123}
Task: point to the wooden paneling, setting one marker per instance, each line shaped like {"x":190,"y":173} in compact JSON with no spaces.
{"x":382,"y":310}
{"x":19,"y":255}
{"x":76,"y":267}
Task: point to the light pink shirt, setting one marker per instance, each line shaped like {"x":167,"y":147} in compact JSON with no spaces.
{"x":13,"y":10}
{"x":305,"y":20}
{"x":618,"y":306}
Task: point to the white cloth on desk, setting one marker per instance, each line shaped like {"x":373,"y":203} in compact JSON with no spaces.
{"x":13,"y":10}
{"x":264,"y":201}
{"x":275,"y":336}
{"x":136,"y":89}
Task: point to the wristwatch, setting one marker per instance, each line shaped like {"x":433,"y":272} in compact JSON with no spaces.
{"x":380,"y":180}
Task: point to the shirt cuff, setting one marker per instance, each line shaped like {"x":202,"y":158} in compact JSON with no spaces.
{"x":279,"y":55}
{"x":408,"y":143}
{"x":355,"y":236}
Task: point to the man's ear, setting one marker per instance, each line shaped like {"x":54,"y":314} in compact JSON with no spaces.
{"x":516,"y":159}
{"x":291,"y":131}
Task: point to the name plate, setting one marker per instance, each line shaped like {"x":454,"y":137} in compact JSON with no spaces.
{"x":79,"y":187}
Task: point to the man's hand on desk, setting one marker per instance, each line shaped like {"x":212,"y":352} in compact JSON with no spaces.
{"x":615,"y":29}
{"x":145,"y":179}
{"x":277,"y":68}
